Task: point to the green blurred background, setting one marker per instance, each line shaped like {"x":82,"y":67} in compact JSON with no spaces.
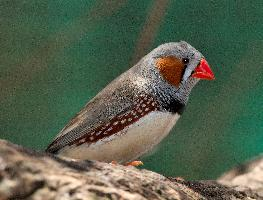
{"x":56,"y":55}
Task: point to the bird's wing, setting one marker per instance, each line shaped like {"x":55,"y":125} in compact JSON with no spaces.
{"x":142,"y":106}
{"x":111,"y":110}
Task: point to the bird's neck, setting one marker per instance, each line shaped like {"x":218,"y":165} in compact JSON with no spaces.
{"x":174,"y":99}
{"x":171,"y":98}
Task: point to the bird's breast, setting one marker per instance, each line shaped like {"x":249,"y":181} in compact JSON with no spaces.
{"x":129,"y":143}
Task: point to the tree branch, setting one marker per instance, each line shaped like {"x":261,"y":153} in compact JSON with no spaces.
{"x":26,"y":174}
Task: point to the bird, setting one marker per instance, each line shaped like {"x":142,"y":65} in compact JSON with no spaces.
{"x":137,"y":110}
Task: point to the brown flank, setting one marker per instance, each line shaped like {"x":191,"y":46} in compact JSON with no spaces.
{"x":143,"y":105}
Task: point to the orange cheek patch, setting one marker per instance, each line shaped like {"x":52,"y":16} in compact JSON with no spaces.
{"x":171,"y":69}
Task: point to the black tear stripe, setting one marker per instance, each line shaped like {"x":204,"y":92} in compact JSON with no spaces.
{"x":174,"y":106}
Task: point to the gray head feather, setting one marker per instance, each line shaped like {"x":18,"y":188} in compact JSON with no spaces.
{"x":156,"y":84}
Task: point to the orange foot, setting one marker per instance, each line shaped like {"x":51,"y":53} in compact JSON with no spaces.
{"x":114,"y":162}
{"x":135,"y":163}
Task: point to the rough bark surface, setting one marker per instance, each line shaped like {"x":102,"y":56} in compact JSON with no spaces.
{"x":26,"y":174}
{"x":246,"y":177}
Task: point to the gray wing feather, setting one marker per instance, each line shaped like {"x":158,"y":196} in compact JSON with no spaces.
{"x":116,"y":98}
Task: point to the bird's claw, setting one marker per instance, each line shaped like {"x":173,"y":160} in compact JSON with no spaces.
{"x":134,"y":163}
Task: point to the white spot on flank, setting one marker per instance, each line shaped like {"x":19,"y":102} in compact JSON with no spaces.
{"x":92,"y":133}
{"x":123,"y":121}
{"x":115,"y":123}
{"x":130,"y":119}
{"x":143,"y":105}
{"x":98,"y":133}
{"x":91,"y":138}
{"x":147,"y":109}
{"x":82,"y":140}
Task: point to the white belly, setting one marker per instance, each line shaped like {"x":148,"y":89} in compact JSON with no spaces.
{"x":130,"y":143}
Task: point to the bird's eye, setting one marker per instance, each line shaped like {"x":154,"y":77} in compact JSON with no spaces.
{"x":185,"y":60}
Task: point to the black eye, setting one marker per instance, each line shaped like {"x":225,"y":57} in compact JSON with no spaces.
{"x":185,"y":60}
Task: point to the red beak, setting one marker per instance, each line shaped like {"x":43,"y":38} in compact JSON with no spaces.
{"x":203,"y":71}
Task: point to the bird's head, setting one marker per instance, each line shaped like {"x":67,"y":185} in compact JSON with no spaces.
{"x":180,"y":62}
{"x":176,"y":68}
